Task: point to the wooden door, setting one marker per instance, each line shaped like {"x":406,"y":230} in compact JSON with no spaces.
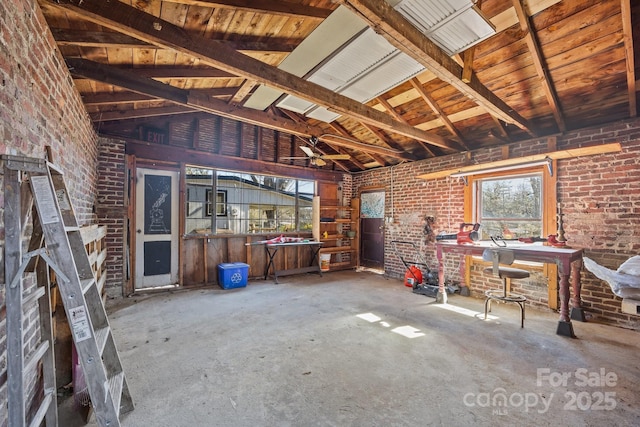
{"x":156,"y":253}
{"x":372,"y":205}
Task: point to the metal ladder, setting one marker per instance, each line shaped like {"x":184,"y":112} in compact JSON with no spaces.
{"x":82,"y":299}
{"x":17,"y":206}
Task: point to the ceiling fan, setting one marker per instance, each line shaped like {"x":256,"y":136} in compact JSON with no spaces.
{"x":317,"y":159}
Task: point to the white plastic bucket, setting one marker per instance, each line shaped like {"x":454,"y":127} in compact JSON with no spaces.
{"x":325,"y":261}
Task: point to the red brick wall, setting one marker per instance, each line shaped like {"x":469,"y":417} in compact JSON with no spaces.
{"x":600,"y":196}
{"x":111,"y":209}
{"x":40,"y":107}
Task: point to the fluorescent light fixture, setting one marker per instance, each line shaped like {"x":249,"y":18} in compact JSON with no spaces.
{"x":547,"y":161}
{"x":454,"y":25}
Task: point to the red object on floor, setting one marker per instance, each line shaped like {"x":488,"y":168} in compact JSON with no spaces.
{"x":412,"y":276}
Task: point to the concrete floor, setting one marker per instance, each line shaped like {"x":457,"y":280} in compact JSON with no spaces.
{"x":327,"y":351}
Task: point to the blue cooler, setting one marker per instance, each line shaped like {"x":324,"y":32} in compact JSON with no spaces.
{"x":233,"y":275}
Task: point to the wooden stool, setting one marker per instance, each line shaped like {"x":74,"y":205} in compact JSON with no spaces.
{"x":505,"y":257}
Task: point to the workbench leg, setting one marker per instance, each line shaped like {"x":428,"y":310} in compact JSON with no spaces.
{"x":441,"y":297}
{"x":577,"y":313}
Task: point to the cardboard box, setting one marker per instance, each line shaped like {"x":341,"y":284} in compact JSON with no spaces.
{"x":233,"y":275}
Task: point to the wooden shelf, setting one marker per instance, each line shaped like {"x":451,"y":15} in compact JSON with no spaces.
{"x":327,"y":205}
{"x":337,"y":208}
{"x":339,"y":265}
{"x":337,"y":250}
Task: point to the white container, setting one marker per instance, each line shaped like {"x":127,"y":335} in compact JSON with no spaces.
{"x":325,"y":261}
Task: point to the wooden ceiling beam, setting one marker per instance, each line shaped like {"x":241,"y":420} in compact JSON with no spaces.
{"x":114,"y":98}
{"x":344,"y":133}
{"x":99,"y":99}
{"x":501,"y":130}
{"x":400,"y":33}
{"x":398,"y":116}
{"x":538,"y":63}
{"x":126,"y":19}
{"x":627,"y":30}
{"x":196,"y":101}
{"x":192,"y":99}
{"x":163,"y":152}
{"x":272,"y":7}
{"x":242,"y":92}
{"x":182,"y":73}
{"x":83,"y":38}
{"x":438,"y":111}
{"x":382,"y":138}
{"x":110,"y":116}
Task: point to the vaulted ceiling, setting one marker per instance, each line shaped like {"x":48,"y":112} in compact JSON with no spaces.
{"x":551,"y":67}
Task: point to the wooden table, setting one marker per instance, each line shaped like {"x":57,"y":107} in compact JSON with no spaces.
{"x":568,"y":260}
{"x":272,"y":248}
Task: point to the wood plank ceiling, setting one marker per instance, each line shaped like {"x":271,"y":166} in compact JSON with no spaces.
{"x":552,"y":66}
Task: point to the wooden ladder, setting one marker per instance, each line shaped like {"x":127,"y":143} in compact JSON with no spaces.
{"x":81,"y":296}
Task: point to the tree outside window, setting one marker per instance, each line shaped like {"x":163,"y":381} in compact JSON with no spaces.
{"x":510,"y":207}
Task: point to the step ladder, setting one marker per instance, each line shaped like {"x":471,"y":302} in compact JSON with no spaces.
{"x":82,"y":299}
{"x":18,"y":301}
{"x":17,"y":206}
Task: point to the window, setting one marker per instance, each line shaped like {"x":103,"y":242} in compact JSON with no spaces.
{"x":221,"y":202}
{"x":246,"y":203}
{"x":512,"y":204}
{"x":510,"y":207}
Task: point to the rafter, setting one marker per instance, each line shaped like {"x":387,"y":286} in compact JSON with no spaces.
{"x":541,"y":69}
{"x":343,"y":132}
{"x":273,"y":7}
{"x":243,"y":91}
{"x":129,"y":20}
{"x":627,"y":30}
{"x":400,"y":33}
{"x":130,"y":97}
{"x":398,"y":116}
{"x":382,"y":138}
{"x":182,"y":73}
{"x":438,"y":111}
{"x":109,"y":116}
{"x":69,"y":37}
{"x":193,"y":100}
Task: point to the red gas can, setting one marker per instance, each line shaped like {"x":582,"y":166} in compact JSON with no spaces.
{"x":413,"y":276}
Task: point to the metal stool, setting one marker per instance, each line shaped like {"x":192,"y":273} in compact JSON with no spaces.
{"x":506,"y":257}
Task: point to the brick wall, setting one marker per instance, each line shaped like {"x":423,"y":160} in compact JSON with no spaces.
{"x":111,"y":210}
{"x":40,"y":107}
{"x":600,"y":196}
